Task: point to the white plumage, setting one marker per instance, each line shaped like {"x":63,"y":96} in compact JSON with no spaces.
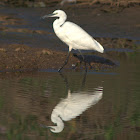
{"x":72,"y":106}
{"x":76,"y":37}
{"x":73,"y":35}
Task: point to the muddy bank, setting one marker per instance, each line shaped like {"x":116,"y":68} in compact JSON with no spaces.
{"x":21,"y":58}
{"x":47,"y":3}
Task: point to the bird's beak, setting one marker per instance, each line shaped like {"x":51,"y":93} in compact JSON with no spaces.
{"x":46,"y":16}
{"x":44,"y":126}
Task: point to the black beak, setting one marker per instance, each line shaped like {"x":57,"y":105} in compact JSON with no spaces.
{"x":44,"y":126}
{"x":46,"y":16}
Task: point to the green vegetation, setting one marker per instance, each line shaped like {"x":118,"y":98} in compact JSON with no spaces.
{"x":22,"y":126}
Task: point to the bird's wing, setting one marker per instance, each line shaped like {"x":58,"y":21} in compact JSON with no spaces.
{"x":76,"y":35}
{"x":78,"y":103}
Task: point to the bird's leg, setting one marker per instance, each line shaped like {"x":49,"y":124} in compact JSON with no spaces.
{"x":65,"y":80}
{"x":81,"y":55}
{"x":84,"y":79}
{"x":85,"y":67}
{"x":84,"y":61}
{"x":66,"y":61}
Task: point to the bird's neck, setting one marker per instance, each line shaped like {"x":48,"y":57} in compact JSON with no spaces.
{"x":59,"y":124}
{"x":59,"y":22}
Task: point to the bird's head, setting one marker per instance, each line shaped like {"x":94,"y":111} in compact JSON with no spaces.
{"x":56,"y":13}
{"x":59,"y":125}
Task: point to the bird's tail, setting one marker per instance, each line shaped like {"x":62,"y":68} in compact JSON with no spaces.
{"x":100,"y":47}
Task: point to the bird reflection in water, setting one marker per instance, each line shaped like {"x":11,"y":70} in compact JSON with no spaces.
{"x":72,"y":106}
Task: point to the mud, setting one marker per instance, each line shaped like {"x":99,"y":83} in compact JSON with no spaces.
{"x":22,"y":58}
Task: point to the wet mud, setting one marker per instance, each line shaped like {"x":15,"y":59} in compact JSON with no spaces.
{"x":22,"y":58}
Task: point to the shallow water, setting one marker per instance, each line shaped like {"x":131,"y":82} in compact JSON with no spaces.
{"x":27,"y":102}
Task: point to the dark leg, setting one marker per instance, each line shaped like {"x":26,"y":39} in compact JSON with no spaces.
{"x":65,"y":80}
{"x":81,"y":55}
{"x":84,"y":60}
{"x":84,"y":79}
{"x":66,"y":61}
{"x":85,"y":67}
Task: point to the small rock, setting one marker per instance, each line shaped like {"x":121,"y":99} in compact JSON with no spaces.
{"x":2,"y":50}
{"x":39,"y":4}
{"x":46,"y":52}
{"x":42,"y":4}
{"x":20,"y":49}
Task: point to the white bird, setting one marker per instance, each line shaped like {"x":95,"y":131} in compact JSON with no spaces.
{"x":73,"y":35}
{"x":72,"y":106}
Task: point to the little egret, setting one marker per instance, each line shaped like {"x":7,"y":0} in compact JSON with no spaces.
{"x":72,"y":106}
{"x":73,"y":35}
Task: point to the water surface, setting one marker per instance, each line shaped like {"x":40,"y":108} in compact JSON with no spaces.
{"x":27,"y":102}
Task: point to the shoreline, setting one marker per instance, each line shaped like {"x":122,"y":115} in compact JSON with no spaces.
{"x":22,"y":58}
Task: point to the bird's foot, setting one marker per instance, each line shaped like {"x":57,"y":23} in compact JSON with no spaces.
{"x":59,"y":70}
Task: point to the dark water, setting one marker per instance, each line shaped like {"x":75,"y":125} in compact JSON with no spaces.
{"x":27,"y":102}
{"x":95,"y":22}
